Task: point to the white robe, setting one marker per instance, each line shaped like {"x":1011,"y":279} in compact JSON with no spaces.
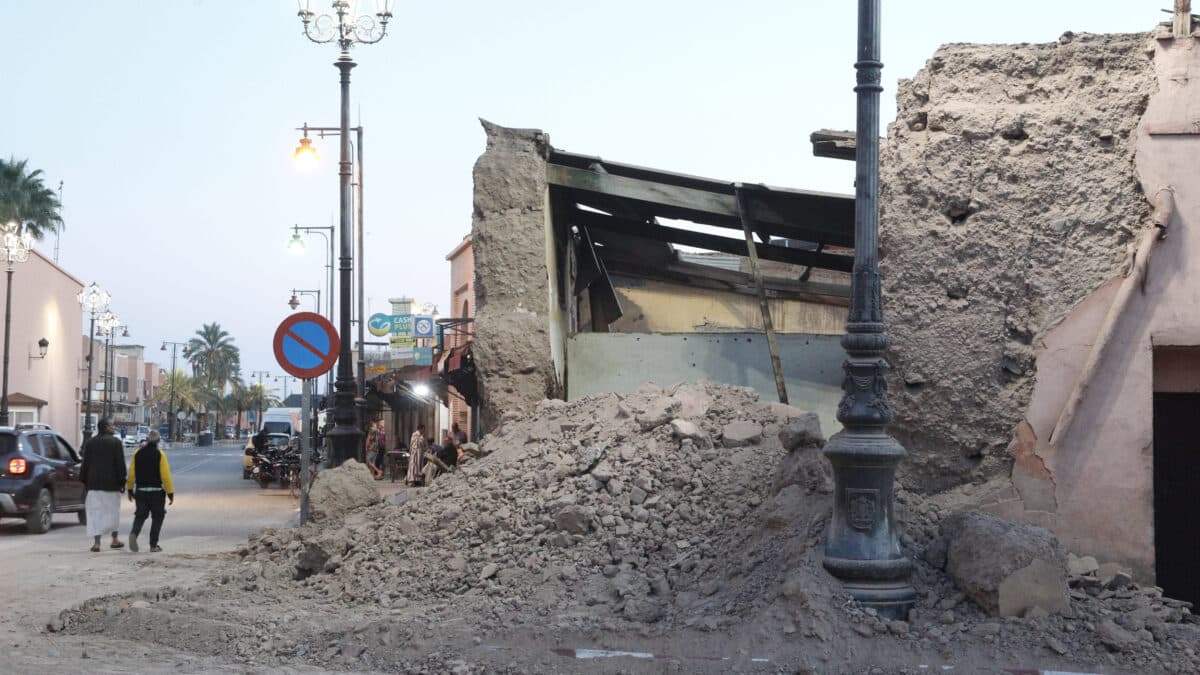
{"x":103,"y":512}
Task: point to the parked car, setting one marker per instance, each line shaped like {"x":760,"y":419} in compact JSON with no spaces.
{"x":39,"y":476}
{"x":130,"y":441}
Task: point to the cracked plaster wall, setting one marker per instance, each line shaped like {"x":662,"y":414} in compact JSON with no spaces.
{"x":1094,"y":485}
{"x":513,"y":351}
{"x":1008,"y":196}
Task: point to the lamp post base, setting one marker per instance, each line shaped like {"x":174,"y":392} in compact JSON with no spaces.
{"x":863,"y":550}
{"x":343,"y":441}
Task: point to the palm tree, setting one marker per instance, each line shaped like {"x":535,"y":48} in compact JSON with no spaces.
{"x":184,"y":388}
{"x":25,"y":199}
{"x":260,"y":398}
{"x":216,"y":361}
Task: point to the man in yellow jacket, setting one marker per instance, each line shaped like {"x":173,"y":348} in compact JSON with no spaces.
{"x":150,"y":487}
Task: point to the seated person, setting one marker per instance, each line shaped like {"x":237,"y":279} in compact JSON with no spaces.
{"x":449,"y":451}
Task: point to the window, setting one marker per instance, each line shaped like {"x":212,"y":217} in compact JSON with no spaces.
{"x":35,"y":441}
{"x":64,"y":450}
{"x":123,"y":385}
{"x":50,"y":448}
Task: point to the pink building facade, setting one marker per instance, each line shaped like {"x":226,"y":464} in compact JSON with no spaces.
{"x":44,"y":305}
{"x":462,"y":306}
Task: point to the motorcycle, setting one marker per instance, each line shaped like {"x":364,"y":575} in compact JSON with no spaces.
{"x":266,"y":467}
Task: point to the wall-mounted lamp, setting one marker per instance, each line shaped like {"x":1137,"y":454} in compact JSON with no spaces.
{"x":43,"y":347}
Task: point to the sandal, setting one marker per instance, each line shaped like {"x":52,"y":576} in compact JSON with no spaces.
{"x":117,"y":544}
{"x":156,"y":549}
{"x":95,"y":548}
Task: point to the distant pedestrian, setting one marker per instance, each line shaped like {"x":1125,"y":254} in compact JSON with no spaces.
{"x":371,"y":449}
{"x":103,"y":475}
{"x":417,"y":445}
{"x":150,"y":488}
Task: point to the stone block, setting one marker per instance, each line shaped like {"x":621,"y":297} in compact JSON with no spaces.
{"x":1005,"y":567}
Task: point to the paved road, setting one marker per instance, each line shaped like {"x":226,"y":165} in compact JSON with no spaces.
{"x":214,"y":512}
{"x":212,"y":504}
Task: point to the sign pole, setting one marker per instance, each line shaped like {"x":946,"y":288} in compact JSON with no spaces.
{"x":305,"y":411}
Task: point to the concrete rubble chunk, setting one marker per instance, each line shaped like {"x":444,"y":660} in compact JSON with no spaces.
{"x":741,"y":433}
{"x":802,"y":431}
{"x":683,"y":429}
{"x":1006,"y":568}
{"x":1080,"y":566}
{"x":341,"y":490}
{"x":1114,"y":638}
{"x":574,"y":519}
{"x":659,"y":412}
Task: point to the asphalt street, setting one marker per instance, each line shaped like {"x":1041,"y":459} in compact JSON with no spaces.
{"x":214,"y":511}
{"x":212,"y":503}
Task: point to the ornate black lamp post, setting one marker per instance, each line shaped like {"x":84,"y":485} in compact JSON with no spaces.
{"x":15,"y":243}
{"x":94,"y":301}
{"x":862,"y":549}
{"x":345,"y":27}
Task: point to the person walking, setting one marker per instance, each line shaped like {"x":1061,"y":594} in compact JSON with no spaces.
{"x":417,"y":445}
{"x":103,"y":475}
{"x":150,"y":488}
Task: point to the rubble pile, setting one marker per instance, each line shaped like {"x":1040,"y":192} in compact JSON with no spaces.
{"x":623,"y":504}
{"x":690,"y":514}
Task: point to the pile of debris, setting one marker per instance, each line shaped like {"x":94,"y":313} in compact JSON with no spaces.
{"x":688,"y":515}
{"x":626,"y":505}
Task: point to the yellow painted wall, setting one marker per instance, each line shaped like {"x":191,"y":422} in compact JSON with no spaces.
{"x":658,"y":307}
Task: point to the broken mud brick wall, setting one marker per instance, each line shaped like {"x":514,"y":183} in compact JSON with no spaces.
{"x":512,"y":347}
{"x":1008,"y":196}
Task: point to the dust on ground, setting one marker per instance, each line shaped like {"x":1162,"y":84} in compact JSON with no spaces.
{"x":684,"y":522}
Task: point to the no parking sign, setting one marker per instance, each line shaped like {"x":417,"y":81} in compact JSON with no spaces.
{"x":306,"y":345}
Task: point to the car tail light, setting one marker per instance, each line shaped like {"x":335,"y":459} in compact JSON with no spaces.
{"x":16,"y":466}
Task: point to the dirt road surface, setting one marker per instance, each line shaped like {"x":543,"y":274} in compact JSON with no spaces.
{"x":214,"y":511}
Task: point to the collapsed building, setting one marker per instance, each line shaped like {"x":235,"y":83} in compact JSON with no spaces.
{"x":1044,"y":366}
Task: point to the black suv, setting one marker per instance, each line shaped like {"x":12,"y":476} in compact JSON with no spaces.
{"x":39,"y":476}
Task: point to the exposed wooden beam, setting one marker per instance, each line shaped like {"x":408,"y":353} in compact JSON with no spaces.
{"x":807,"y":216}
{"x":834,"y":144}
{"x":710,"y":242}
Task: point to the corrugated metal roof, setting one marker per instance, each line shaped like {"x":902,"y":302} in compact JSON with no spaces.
{"x":723,"y":261}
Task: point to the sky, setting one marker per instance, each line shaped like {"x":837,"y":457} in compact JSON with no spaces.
{"x":171,"y":124}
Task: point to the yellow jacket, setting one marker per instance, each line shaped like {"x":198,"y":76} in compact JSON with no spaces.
{"x":164,"y":472}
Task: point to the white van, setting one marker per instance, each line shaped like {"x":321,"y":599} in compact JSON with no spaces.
{"x":282,"y":421}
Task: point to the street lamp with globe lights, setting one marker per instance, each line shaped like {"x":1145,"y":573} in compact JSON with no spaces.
{"x":109,"y":323}
{"x":94,"y":301}
{"x":15,"y":245}
{"x":346,"y":27}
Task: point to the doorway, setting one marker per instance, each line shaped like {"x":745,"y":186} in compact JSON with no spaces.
{"x":1177,"y":494}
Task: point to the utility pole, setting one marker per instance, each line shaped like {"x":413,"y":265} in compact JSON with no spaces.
{"x":260,"y":374}
{"x":171,"y":382}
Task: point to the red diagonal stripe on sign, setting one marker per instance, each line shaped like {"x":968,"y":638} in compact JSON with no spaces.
{"x":304,"y":343}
